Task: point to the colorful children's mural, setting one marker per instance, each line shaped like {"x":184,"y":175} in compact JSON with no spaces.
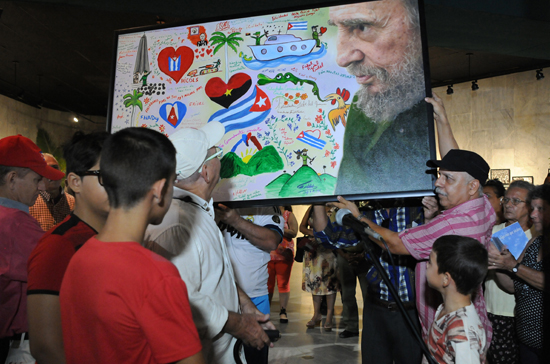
{"x":273,"y":81}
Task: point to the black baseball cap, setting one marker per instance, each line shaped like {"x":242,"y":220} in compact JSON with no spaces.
{"x":459,"y":160}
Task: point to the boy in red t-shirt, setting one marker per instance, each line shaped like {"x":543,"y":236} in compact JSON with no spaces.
{"x":50,"y":258}
{"x":121,"y":303}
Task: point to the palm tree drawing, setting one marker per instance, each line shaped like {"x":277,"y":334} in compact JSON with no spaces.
{"x":133,"y":100}
{"x":232,"y":40}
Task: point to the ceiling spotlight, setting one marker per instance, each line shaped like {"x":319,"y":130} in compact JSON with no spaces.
{"x":450,"y":90}
{"x":475,"y":86}
{"x":75,"y":119}
{"x":540,"y":75}
{"x":160,"y":20}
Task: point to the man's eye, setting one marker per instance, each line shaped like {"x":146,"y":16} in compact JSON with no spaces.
{"x":361,"y":28}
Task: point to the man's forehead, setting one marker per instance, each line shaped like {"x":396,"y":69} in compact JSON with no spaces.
{"x":517,"y":190}
{"x":367,"y":11}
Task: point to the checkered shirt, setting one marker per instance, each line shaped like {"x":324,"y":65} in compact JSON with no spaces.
{"x":49,"y":214}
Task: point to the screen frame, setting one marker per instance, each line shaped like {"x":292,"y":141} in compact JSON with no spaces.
{"x":406,"y":195}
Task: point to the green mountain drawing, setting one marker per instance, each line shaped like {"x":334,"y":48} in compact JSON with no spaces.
{"x":266,"y":160}
{"x":304,"y":183}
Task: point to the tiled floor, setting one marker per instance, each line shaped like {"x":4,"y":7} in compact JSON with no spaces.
{"x":302,"y":345}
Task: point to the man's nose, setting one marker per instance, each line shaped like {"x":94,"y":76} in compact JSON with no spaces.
{"x":347,"y":51}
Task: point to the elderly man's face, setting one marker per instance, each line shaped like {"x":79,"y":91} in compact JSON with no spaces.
{"x":380,"y":45}
{"x":452,"y":188}
{"x":375,"y":35}
{"x":26,"y":188}
{"x":519,"y":212}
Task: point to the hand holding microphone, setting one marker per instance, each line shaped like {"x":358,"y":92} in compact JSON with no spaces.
{"x":344,"y":217}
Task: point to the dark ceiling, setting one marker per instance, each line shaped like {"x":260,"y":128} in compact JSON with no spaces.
{"x":58,"y":53}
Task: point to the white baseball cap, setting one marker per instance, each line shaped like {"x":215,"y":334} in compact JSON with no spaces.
{"x":192,"y":146}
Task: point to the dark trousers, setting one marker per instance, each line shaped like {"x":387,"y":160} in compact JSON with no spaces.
{"x":530,"y":355}
{"x":387,"y":337}
{"x":254,"y":356}
{"x":4,"y":349}
{"x":348,"y":275}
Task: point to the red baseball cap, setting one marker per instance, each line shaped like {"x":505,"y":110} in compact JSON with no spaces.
{"x":19,"y":151}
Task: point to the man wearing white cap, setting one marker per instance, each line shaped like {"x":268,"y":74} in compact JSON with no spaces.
{"x":189,"y":237}
{"x":22,"y":167}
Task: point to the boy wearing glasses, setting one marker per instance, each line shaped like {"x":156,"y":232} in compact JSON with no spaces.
{"x":49,"y":260}
{"x":121,"y":303}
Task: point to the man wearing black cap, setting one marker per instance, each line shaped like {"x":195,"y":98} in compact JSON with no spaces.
{"x":466,"y":212}
{"x":22,"y":167}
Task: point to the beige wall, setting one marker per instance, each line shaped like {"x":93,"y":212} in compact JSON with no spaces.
{"x":19,"y":118}
{"x":506,"y":121}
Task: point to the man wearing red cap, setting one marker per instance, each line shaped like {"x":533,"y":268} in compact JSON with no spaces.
{"x":53,"y":204}
{"x":22,"y":167}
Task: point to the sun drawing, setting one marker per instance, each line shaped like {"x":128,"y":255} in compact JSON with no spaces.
{"x":248,"y":153}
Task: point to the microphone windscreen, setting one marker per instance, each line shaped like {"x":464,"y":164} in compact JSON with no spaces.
{"x":340,"y":215}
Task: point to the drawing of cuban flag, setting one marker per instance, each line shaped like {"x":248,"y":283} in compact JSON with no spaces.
{"x":251,"y":111}
{"x":297,"y":25}
{"x":310,"y":139}
{"x":174,"y":64}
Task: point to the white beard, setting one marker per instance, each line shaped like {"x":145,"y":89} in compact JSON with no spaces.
{"x":404,"y":86}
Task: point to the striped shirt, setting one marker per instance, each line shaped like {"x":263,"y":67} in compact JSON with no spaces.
{"x":475,"y":219}
{"x":399,"y":219}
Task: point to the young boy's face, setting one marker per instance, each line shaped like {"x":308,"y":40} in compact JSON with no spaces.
{"x":435,"y":280}
{"x":93,"y":195}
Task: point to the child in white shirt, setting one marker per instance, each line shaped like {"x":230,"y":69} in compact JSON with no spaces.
{"x":457,"y":266}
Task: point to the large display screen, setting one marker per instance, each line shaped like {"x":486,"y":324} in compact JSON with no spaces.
{"x":315,"y":102}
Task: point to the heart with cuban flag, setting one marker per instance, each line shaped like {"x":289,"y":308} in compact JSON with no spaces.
{"x":173,"y":113}
{"x":175,"y":62}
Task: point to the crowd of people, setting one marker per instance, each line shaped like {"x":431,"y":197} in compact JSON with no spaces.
{"x":144,"y":260}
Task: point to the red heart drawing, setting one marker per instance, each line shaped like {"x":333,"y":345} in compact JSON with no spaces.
{"x":174,"y":63}
{"x":208,"y":51}
{"x":202,"y":54}
{"x":323,"y":30}
{"x":196,"y":51}
{"x":225,"y":94}
{"x":197,"y":56}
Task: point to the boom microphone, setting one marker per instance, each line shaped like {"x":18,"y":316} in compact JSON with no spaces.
{"x":344,"y":217}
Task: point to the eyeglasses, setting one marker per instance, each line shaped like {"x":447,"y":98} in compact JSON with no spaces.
{"x":218,"y":154}
{"x":96,"y":173}
{"x":515,"y":201}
